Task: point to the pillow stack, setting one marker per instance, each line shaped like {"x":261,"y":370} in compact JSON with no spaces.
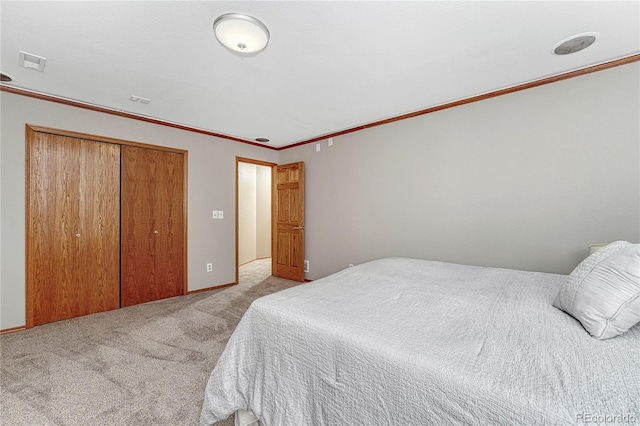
{"x":603,"y":292}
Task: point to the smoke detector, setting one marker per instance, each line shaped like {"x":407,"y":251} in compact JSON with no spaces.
{"x":31,"y":61}
{"x":575,"y":43}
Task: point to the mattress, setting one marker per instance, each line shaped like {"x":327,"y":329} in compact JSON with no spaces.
{"x":401,"y":341}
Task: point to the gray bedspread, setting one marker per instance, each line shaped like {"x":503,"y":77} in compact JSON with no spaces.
{"x":411,"y":342}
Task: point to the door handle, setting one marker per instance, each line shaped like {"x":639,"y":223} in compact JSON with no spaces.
{"x":155,"y":232}
{"x":299,"y":228}
{"x":77,"y":235}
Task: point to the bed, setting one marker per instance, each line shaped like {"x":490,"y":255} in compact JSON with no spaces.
{"x":401,"y":341}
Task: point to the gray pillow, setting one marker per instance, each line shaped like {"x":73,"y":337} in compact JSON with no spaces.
{"x":603,"y":292}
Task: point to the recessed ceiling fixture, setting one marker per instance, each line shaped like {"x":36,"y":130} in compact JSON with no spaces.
{"x":241,"y":33}
{"x":575,"y":43}
{"x":263,"y":140}
{"x":5,"y":78}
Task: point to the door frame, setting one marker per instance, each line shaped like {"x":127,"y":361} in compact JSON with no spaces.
{"x":257,"y":163}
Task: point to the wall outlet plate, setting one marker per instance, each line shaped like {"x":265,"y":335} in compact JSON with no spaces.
{"x":306,"y":266}
{"x":209,"y":267}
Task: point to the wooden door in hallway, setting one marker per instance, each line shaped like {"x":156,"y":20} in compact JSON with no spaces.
{"x":73,"y":233}
{"x":288,"y":222}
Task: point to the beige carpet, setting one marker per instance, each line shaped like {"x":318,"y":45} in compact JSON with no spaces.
{"x":143,"y":365}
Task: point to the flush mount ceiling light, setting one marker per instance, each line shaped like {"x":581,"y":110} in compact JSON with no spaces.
{"x":241,"y":33}
{"x":575,"y":43}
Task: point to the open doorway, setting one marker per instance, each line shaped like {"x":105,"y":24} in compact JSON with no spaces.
{"x":253,"y":212}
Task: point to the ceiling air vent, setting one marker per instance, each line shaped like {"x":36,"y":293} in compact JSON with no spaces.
{"x":31,"y":61}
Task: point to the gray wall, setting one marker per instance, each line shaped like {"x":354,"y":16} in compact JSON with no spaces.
{"x":525,"y":181}
{"x":211,"y":187}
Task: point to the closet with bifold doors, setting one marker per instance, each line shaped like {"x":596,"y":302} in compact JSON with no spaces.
{"x":152,"y":225}
{"x":105,"y":224}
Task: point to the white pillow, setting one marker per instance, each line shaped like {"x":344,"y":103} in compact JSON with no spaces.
{"x":603,"y":292}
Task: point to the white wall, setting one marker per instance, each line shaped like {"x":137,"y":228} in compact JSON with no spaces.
{"x":246,"y":212}
{"x":263,"y":211}
{"x":211,"y":180}
{"x":254,"y":212}
{"x":526,"y":180}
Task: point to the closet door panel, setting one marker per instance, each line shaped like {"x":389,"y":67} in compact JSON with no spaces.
{"x":170,"y":226}
{"x":100,"y":227}
{"x":66,"y":276}
{"x":152,"y":225}
{"x":54,"y":222}
{"x":138,"y":275}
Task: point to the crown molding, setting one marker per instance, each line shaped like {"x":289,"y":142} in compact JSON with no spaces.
{"x":121,"y":113}
{"x":535,"y":83}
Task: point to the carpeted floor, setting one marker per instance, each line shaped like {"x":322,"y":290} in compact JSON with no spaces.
{"x":143,"y":365}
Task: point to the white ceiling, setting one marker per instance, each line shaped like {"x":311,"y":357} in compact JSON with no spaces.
{"x":329,"y":66}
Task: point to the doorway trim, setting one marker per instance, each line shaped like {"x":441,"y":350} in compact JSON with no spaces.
{"x":258,"y":163}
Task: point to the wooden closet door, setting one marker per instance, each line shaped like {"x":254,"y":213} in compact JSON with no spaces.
{"x":72,"y":227}
{"x":152,"y":225}
{"x":170,"y":225}
{"x":138,"y":280}
{"x":99,"y":250}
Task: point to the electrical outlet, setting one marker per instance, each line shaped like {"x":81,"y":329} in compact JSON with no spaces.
{"x":306,"y":266}
{"x":351,"y":265}
{"x":215,"y":214}
{"x":209,"y":267}
{"x":220,"y":214}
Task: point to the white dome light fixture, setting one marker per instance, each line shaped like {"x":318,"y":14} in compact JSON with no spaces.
{"x":241,"y":33}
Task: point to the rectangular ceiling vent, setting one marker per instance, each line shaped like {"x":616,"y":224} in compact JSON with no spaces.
{"x":31,"y":61}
